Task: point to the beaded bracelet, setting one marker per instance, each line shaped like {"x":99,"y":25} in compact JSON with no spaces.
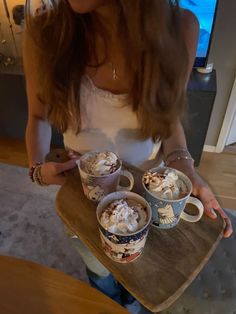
{"x":38,"y":177}
{"x":32,"y":170}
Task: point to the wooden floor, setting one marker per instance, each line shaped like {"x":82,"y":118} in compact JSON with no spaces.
{"x":230,"y":149}
{"x":13,"y":152}
{"x":218,"y":169}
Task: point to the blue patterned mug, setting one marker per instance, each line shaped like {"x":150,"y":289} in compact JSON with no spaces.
{"x":166,"y":213}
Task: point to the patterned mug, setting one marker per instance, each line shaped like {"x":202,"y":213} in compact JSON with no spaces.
{"x":166,"y":213}
{"x":95,"y":187}
{"x":123,"y":248}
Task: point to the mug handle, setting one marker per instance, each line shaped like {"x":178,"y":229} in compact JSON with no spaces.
{"x":130,"y":177}
{"x":199,"y":205}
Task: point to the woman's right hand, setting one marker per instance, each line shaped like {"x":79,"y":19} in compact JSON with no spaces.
{"x":53,"y":172}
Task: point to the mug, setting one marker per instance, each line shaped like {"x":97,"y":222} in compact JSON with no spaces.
{"x":95,"y":187}
{"x":123,"y":248}
{"x":166,"y":213}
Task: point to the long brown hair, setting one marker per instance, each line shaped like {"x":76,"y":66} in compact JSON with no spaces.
{"x":151,"y":33}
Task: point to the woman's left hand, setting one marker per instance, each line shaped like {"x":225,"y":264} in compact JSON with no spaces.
{"x":202,"y":191}
{"x":210,"y":203}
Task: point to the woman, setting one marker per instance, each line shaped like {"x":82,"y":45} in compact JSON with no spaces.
{"x":111,"y":75}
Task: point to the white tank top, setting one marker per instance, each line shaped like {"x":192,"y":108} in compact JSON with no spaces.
{"x":108,"y":123}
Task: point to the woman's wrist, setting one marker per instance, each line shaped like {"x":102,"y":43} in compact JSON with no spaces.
{"x":32,"y":170}
{"x":180,"y":159}
{"x":184,"y":165}
{"x":178,"y":155}
{"x":35,"y":174}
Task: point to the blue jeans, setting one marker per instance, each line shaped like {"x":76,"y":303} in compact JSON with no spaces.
{"x":100,"y":278}
{"x":111,"y":287}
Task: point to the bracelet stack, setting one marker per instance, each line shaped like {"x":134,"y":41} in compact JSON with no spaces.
{"x":35,"y":174}
{"x":176,"y":155}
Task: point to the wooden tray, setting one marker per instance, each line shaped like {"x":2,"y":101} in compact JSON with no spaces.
{"x":171,"y":258}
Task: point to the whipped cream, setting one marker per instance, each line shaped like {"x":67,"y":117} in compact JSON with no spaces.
{"x":167,"y":185}
{"x":124,"y":216}
{"x":102,"y":164}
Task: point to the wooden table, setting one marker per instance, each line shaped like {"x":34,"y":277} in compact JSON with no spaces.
{"x":171,"y":259}
{"x":30,"y":288}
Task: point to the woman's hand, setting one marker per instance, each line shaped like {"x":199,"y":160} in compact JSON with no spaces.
{"x":53,"y":172}
{"x":210,"y":203}
{"x":205,"y":194}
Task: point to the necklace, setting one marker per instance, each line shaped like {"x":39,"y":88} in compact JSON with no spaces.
{"x":114,"y":72}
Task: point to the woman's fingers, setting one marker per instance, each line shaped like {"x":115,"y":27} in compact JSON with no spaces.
{"x":53,"y":173}
{"x":210,"y":212}
{"x":211,"y":206}
{"x":208,"y":199}
{"x":228,"y":228}
{"x":65,"y":166}
{"x":73,"y":155}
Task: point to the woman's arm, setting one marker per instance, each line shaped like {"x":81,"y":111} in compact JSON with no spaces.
{"x":177,"y":139}
{"x":177,"y":143}
{"x":38,"y":130}
{"x":38,"y":136}
{"x":190,"y":28}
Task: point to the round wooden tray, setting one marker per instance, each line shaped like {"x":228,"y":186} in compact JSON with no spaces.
{"x":171,"y":258}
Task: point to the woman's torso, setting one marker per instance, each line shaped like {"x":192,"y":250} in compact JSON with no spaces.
{"x":109,"y":123}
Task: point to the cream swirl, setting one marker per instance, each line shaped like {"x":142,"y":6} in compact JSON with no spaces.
{"x":167,"y":185}
{"x":124,"y":216}
{"x":102,"y":164}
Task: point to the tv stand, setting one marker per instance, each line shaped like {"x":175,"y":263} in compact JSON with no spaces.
{"x":201,"y":93}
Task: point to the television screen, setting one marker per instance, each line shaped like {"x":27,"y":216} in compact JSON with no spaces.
{"x":205,"y":11}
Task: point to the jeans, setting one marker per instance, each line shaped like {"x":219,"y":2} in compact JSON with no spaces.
{"x":89,"y":259}
{"x":100,"y":278}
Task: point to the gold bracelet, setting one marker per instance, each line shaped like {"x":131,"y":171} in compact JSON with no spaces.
{"x":176,"y":151}
{"x":180,"y":153}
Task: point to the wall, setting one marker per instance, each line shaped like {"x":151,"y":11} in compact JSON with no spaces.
{"x":223,"y":54}
{"x":5,"y":32}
